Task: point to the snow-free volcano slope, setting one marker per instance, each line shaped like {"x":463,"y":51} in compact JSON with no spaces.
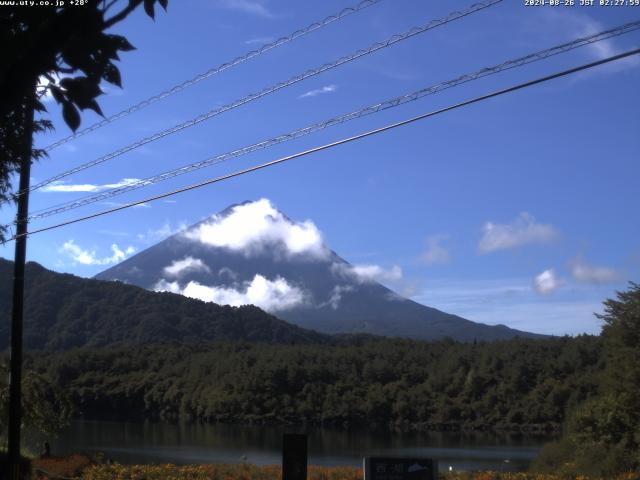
{"x":252,"y":253}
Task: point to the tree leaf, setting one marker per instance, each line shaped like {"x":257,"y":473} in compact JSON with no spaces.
{"x":71,"y":115}
{"x":57,"y":93}
{"x":77,"y":54}
{"x":148,"y":7}
{"x":93,"y":105}
{"x":39,"y":106}
{"x":112,"y":75}
{"x":81,"y":90}
{"x":163,"y":4}
{"x":122,"y":43}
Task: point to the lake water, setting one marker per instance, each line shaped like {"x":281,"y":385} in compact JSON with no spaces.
{"x":194,"y":443}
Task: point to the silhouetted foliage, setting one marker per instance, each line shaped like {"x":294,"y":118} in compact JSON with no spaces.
{"x":63,"y":50}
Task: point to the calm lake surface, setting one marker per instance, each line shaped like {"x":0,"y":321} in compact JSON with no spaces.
{"x":193,"y":443}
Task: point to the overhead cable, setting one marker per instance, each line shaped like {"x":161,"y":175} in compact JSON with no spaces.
{"x":387,"y":104}
{"x":218,"y":69}
{"x":272,"y":89}
{"x":369,"y":133}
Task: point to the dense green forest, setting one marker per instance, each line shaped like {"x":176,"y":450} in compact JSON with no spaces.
{"x":118,"y":351}
{"x":602,"y":435}
{"x":63,"y":311}
{"x":516,"y":384}
{"x":106,"y":350}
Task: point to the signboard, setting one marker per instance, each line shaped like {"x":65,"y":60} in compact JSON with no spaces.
{"x":294,"y":457}
{"x":390,"y":468}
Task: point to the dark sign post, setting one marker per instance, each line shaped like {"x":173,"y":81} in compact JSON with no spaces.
{"x":389,"y":468}
{"x":294,"y":457}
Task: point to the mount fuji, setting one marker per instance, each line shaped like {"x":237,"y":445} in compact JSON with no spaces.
{"x":251,"y":253}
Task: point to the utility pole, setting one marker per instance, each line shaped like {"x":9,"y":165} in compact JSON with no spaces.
{"x":15,"y":379}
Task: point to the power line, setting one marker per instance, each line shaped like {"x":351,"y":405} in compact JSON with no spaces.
{"x":340,"y":142}
{"x":215,"y":70}
{"x":371,"y":109}
{"x":274,"y":88}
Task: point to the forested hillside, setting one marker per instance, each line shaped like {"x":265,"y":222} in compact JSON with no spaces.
{"x":64,"y":311}
{"x":121,"y":352}
{"x":516,"y":384}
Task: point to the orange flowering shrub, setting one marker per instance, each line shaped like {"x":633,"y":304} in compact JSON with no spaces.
{"x":80,"y":467}
{"x":68,"y":466}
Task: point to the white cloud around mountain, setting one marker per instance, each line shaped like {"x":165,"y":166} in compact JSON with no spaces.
{"x":435,"y":252}
{"x":258,"y":226}
{"x":186,"y":265}
{"x":88,"y":257}
{"x":166,"y":230}
{"x":270,"y":295}
{"x":546,"y":282}
{"x":522,"y":231}
{"x":586,"y":273}
{"x":336,"y":296}
{"x":367,"y":273}
{"x":226,"y":272}
{"x":164,"y":286}
{"x":61,"y":186}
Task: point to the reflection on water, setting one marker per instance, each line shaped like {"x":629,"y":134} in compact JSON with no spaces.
{"x":194,"y":443}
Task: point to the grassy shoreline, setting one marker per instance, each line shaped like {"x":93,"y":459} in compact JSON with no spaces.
{"x":83,"y":467}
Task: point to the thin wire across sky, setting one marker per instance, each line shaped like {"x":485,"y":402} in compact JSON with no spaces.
{"x":338,"y":120}
{"x":392,"y":40}
{"x":360,"y":136}
{"x":217,"y":69}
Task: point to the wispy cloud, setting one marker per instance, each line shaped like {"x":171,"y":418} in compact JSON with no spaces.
{"x":367,"y":273}
{"x":89,"y":257}
{"x":188,"y":264}
{"x":586,"y":273}
{"x":70,"y":147}
{"x":319,"y":91}
{"x":252,"y":7}
{"x":566,"y":317}
{"x":114,"y":233}
{"x":515,"y":303}
{"x":546,"y":282}
{"x":258,"y":41}
{"x":579,"y":24}
{"x":120,"y":204}
{"x":153,"y":235}
{"x":64,"y":187}
{"x":336,"y":295}
{"x":435,"y":252}
{"x":522,"y":231}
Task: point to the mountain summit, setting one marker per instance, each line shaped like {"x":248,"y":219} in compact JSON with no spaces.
{"x":251,"y":253}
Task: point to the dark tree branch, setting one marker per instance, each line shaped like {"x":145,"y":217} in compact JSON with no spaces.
{"x":124,"y":13}
{"x":106,"y":7}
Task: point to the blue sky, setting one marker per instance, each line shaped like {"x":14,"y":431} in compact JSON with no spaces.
{"x":518,"y":210}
